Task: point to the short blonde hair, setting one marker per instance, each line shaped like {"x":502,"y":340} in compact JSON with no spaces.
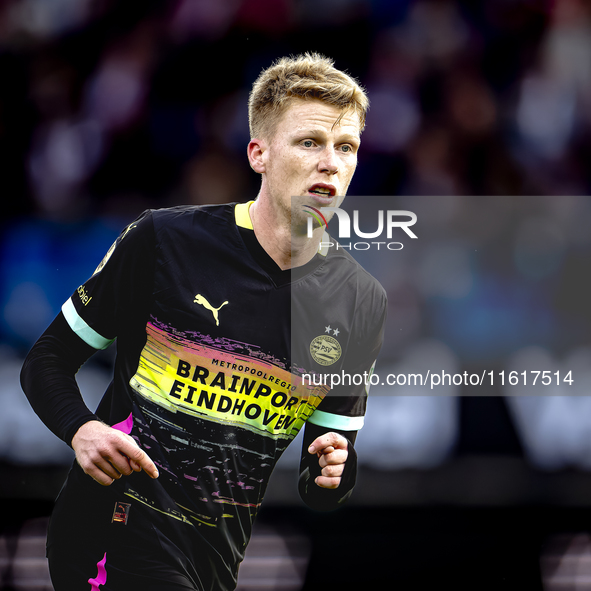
{"x":307,"y":76}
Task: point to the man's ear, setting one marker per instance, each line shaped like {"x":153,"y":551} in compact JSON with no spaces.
{"x":256,"y":149}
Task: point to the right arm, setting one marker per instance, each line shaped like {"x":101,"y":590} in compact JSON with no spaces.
{"x":105,"y":306}
{"x":48,"y":380}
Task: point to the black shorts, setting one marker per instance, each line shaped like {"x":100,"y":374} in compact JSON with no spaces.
{"x":110,"y":545}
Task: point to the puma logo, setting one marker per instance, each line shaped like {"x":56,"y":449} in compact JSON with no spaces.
{"x":199,"y":299}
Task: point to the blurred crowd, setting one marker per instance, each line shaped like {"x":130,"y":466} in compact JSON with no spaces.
{"x":480,"y":123}
{"x":108,"y":106}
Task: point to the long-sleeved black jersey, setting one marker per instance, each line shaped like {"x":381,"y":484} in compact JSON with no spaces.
{"x":220,"y":359}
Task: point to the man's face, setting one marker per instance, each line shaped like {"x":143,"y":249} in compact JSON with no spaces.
{"x":310,"y":160}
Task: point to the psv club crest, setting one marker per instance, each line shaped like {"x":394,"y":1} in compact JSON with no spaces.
{"x":325,"y":349}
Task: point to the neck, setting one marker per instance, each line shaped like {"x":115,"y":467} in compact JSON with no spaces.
{"x":288,"y":248}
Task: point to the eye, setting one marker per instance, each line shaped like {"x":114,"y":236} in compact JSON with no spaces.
{"x":308,"y":143}
{"x":347,"y":148}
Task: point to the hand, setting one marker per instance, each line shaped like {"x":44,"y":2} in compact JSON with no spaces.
{"x":331,"y":449}
{"x":106,"y":454}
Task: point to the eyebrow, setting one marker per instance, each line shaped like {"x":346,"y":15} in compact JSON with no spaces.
{"x":315,"y":131}
{"x":351,"y":138}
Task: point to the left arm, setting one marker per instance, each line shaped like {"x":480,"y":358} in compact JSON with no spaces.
{"x":328,"y":467}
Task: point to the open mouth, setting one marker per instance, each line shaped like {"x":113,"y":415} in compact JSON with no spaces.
{"x":322,"y":190}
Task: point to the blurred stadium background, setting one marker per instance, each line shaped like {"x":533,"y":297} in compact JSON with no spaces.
{"x":480,"y":123}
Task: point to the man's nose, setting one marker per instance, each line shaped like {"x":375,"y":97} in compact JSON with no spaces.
{"x":328,"y":161}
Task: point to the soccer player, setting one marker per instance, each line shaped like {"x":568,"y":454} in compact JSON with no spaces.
{"x":219,"y":313}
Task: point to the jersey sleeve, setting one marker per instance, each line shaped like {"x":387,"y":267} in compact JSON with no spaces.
{"x":48,"y":379}
{"x":343,"y":408}
{"x":97,"y":312}
{"x":316,"y":497}
{"x":102,"y":307}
